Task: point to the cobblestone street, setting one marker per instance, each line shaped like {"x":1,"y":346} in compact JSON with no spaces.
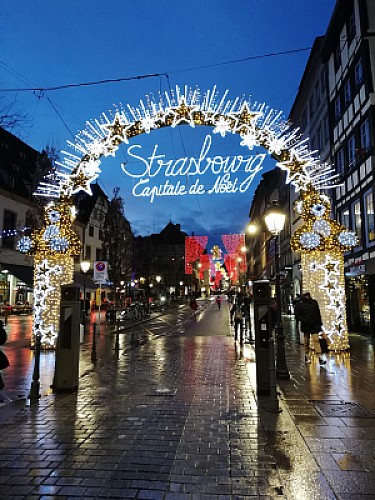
{"x":172,"y":413}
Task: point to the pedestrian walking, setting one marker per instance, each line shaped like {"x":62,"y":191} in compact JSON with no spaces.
{"x":246,"y":312}
{"x":218,"y":301}
{"x":308,"y":313}
{"x":7,"y":311}
{"x":194,"y":306}
{"x":4,"y":362}
{"x":237,"y":315}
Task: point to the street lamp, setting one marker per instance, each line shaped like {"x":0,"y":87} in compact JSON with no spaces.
{"x":85,"y":266}
{"x":275,"y":220}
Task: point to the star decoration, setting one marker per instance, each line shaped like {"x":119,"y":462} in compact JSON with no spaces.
{"x":332,"y":266}
{"x":81,"y":180}
{"x":293,"y":165}
{"x":183,"y":114}
{"x":245,"y":118}
{"x":116,"y":131}
{"x":299,"y":181}
{"x":329,"y":285}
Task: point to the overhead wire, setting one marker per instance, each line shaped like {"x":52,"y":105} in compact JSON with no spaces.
{"x":155,"y":75}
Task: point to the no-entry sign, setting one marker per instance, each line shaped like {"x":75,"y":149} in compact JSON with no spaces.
{"x":100,"y":271}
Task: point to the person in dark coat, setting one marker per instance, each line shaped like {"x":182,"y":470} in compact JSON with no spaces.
{"x":308,"y":313}
{"x":237,"y":314}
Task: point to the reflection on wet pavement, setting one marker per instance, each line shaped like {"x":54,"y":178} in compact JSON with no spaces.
{"x":169,"y":410}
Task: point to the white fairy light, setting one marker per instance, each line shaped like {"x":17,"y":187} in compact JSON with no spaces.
{"x":347,"y":238}
{"x":59,"y":244}
{"x":24,"y":244}
{"x":310,"y":240}
{"x":322,"y":227}
{"x":261,"y":126}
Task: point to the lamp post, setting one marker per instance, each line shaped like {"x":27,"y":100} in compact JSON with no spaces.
{"x":275,"y":220}
{"x":85,"y":266}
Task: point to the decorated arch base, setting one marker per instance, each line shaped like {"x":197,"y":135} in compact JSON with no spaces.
{"x":55,"y":245}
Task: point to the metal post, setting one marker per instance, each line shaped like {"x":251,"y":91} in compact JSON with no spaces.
{"x":281,"y":368}
{"x":35,"y":385}
{"x":100,"y":302}
{"x":84,"y":303}
{"x":93,"y":351}
{"x":117,"y":341}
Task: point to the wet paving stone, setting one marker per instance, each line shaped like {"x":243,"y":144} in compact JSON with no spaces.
{"x":178,"y":417}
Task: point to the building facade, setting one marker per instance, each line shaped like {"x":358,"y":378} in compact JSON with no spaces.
{"x":349,"y":55}
{"x":260,"y":244}
{"x":21,"y":168}
{"x":160,"y":260}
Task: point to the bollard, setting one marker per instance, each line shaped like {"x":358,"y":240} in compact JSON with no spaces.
{"x":93,"y":351}
{"x":35,"y":384}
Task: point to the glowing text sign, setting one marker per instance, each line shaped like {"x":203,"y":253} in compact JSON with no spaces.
{"x":232,"y":174}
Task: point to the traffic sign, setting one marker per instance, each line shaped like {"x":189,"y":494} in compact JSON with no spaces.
{"x":100,"y":271}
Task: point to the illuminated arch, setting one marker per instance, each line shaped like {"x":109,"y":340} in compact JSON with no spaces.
{"x":256,"y":125}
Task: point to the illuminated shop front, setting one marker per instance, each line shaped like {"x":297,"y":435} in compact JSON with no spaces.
{"x":360,"y":293}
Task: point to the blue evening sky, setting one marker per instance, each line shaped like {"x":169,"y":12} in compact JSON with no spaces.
{"x":45,"y":43}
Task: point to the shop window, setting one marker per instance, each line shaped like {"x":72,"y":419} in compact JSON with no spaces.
{"x":357,"y":221}
{"x":369,"y":217}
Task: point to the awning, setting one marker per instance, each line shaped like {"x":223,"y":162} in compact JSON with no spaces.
{"x":23,"y":273}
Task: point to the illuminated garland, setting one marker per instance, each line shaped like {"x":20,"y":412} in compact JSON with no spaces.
{"x":194,"y":248}
{"x":54,"y":247}
{"x":253,"y":122}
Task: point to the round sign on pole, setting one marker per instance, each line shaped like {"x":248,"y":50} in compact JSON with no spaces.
{"x":100,"y":271}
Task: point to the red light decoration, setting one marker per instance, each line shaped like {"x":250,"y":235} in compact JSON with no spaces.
{"x":194,"y":248}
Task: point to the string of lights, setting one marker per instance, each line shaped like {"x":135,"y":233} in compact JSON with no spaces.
{"x":6,"y":233}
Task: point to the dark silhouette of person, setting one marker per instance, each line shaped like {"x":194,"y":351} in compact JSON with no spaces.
{"x":308,"y":313}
